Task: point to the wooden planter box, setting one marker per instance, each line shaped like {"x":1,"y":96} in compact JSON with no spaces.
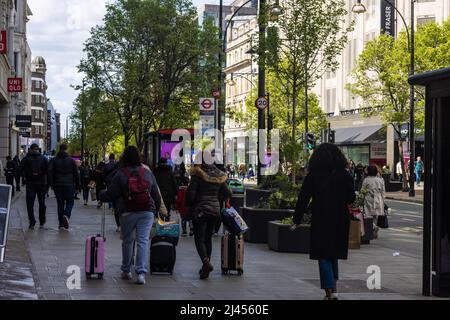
{"x":253,"y":197}
{"x":257,"y":221}
{"x":282,"y":239}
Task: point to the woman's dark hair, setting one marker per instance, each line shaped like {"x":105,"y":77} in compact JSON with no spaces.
{"x":131,"y":157}
{"x":372,"y":171}
{"x":327,"y":157}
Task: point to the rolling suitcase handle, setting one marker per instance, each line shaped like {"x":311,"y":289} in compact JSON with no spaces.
{"x":104,"y":222}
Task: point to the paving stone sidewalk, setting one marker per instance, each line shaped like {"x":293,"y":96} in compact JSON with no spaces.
{"x":16,"y":273}
{"x":268,"y":275}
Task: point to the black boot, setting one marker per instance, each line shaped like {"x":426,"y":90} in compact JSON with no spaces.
{"x":206,"y":269}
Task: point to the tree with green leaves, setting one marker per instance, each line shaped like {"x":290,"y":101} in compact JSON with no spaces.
{"x":281,"y":116}
{"x":304,"y":44}
{"x":380,"y":78}
{"x":152,"y":61}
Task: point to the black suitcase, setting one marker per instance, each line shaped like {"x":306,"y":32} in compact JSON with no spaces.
{"x":162,"y":254}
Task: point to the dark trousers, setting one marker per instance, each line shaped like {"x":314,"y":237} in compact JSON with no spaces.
{"x":203,"y":232}
{"x":32,"y":192}
{"x":17,"y":177}
{"x":10,"y":181}
{"x":86,"y":193}
{"x":65,"y":198}
{"x":184,"y":224}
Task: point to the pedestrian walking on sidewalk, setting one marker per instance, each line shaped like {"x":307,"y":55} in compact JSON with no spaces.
{"x":327,"y":190}
{"x":85,"y":177}
{"x":419,"y":170}
{"x":64,"y":178}
{"x":399,"y":171}
{"x":207,"y":185}
{"x":100,"y":184}
{"x":167,"y":184}
{"x":374,"y":199}
{"x":18,"y":174}
{"x":183,"y":209}
{"x":34,"y":169}
{"x":110,"y":170}
{"x":137,"y":199}
{"x":10,"y":172}
{"x":359,"y":175}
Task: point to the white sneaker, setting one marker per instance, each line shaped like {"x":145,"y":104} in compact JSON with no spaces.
{"x":126,"y":276}
{"x":140,"y":279}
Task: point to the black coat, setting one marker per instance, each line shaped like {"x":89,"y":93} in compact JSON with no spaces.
{"x":331,"y":193}
{"x":167,"y":184}
{"x":63,"y":171}
{"x":207,"y":187}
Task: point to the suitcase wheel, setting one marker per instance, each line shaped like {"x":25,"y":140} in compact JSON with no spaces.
{"x":88,"y":276}
{"x":240,"y":272}
{"x":224,"y":272}
{"x":100,"y":276}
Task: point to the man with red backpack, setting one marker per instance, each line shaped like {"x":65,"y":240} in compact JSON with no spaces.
{"x":137,"y":201}
{"x":183,"y":209}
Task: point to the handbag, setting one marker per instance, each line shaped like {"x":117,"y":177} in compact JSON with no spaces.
{"x":93,"y":195}
{"x":233,"y":222}
{"x":382,"y":222}
{"x":168,"y":229}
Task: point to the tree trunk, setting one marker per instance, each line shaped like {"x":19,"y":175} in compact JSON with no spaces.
{"x":294,"y":123}
{"x":402,"y":161}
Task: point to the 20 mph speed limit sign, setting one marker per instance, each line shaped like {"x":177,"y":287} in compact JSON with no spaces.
{"x":262,"y":103}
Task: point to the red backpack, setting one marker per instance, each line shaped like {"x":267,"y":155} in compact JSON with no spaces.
{"x":138,"y":195}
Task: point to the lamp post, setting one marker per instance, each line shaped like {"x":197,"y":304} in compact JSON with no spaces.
{"x":275,"y":11}
{"x":82,"y":120}
{"x":360,"y":8}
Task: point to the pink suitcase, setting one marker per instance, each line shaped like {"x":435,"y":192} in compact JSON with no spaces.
{"x":95,"y":253}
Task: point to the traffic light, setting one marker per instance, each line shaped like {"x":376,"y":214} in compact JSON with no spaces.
{"x":311,"y":141}
{"x":332,"y":136}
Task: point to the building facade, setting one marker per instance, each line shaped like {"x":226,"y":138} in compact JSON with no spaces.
{"x":39,"y":103}
{"x":362,"y":138}
{"x":240,"y":84}
{"x":15,"y":62}
{"x":52,"y":127}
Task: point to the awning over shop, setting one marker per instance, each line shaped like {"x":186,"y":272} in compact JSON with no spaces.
{"x":360,"y":134}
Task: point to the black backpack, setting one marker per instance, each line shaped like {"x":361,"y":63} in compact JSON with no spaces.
{"x":36,"y":167}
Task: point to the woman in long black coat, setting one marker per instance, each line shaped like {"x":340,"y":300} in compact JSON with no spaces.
{"x":328,"y":189}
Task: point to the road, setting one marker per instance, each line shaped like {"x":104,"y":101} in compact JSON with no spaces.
{"x":405,"y":228}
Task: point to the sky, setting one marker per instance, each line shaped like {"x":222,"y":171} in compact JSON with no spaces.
{"x":57,"y":31}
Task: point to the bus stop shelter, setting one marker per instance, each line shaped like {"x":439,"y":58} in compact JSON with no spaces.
{"x":436,"y":237}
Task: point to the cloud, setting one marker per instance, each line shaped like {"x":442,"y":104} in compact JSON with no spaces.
{"x":57,"y":31}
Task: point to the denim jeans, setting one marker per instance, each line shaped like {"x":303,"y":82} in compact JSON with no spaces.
{"x":418,"y":177}
{"x":203,"y":232}
{"x":139,"y":224}
{"x":329,"y":273}
{"x":184,"y":224}
{"x":32,"y":192}
{"x":86,"y":193}
{"x":65,"y":198}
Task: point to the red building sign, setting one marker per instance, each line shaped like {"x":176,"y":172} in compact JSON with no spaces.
{"x":3,"y":49}
{"x":14,"y":84}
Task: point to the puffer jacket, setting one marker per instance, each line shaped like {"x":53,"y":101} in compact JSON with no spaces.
{"x":63,"y":171}
{"x":374,"y":200}
{"x":208,"y":184}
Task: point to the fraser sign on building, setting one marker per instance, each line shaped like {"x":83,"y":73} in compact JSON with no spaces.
{"x":388,"y":17}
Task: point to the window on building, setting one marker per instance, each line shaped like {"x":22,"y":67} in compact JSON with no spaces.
{"x":425,"y":19}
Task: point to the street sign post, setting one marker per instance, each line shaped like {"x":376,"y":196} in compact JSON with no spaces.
{"x":262,"y":103}
{"x":207,"y":107}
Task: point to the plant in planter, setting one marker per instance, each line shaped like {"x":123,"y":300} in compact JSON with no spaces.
{"x":279,"y":204}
